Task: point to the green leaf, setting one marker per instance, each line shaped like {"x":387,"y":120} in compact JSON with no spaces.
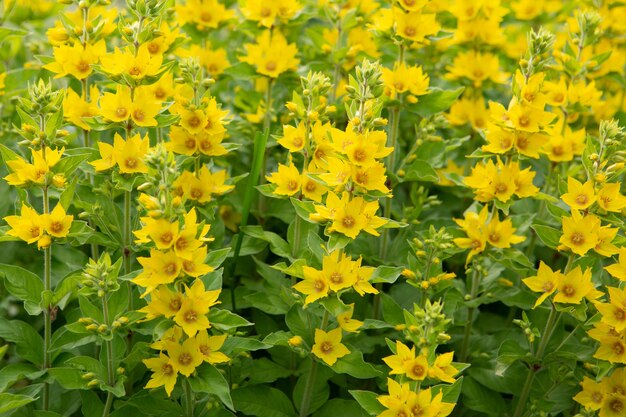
{"x":10,"y":402}
{"x":303,"y":209}
{"x":14,"y":372}
{"x":210,"y":380}
{"x":354,"y":365}
{"x":69,"y":378}
{"x":28,"y":343}
{"x":225,"y":320}
{"x":320,"y":392}
{"x":262,"y":401}
{"x":548,"y":235}
{"x":436,"y":101}
{"x":68,"y":164}
{"x":6,"y":33}
{"x":368,"y":401}
{"x":215,"y":257}
{"x":510,"y":351}
{"x":420,"y":170}
{"x":339,"y":407}
{"x":479,"y":398}
{"x":277,"y":244}
{"x":24,"y":285}
{"x":387,"y":274}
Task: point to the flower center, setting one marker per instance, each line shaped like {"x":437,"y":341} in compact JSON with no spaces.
{"x":568,"y":290}
{"x":581,"y":199}
{"x":336,"y":278}
{"x":270,"y":65}
{"x":348,"y":221}
{"x":190,"y":143}
{"x":170,"y":268}
{"x":548,"y":286}
{"x":121,"y":112}
{"x":191,"y":316}
{"x":167,"y":369}
{"x":524,"y":121}
{"x":56,"y":227}
{"x":578,"y":238}
{"x":616,"y":405}
{"x":194,"y":121}
{"x":139,"y":115}
{"x":175,"y":304}
{"x":326,"y":347}
{"x":130,"y":163}
{"x":410,"y":31}
{"x":135,"y":71}
{"x":184,"y":359}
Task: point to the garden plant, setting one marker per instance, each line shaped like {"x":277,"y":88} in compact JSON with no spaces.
{"x":327,"y":208}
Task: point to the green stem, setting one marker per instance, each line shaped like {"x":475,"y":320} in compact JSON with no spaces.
{"x":109,"y":353}
{"x":384,"y":242}
{"x":260,"y":141}
{"x":470,"y":315}
{"x":127,"y":232}
{"x":310,"y":380}
{"x":188,"y":398}
{"x":545,"y":338}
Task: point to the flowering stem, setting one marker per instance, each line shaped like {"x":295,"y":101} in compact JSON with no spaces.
{"x":310,"y":380}
{"x":470,"y":315}
{"x":47,"y":285}
{"x":188,"y":398}
{"x":384,"y":242}
{"x":547,"y":334}
{"x":109,"y":349}
{"x":127,"y":232}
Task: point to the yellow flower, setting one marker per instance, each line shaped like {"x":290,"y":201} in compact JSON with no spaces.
{"x":477,"y":67}
{"x":580,"y":233}
{"x":75,"y":107}
{"x":203,"y":14}
{"x":160,"y":231}
{"x":312,"y":189}
{"x":76,"y":60}
{"x":614,"y":313}
{"x":163,"y":302}
{"x":185,"y":358}
{"x":287,"y":180}
{"x":545,"y":282}
{"x":193,"y":120}
{"x":415,"y":26}
{"x":442,"y":369}
{"x":116,"y":107}
{"x":271,"y":55}
{"x":403,"y":356}
{"x":605,"y":247}
{"x":371,"y":177}
{"x":337,"y":267}
{"x":574,"y":286}
{"x":202,"y":188}
{"x":527,"y":118}
{"x":612,"y":343}
{"x":144,"y":108}
{"x":163,"y":373}
{"x":106,"y":160}
{"x":363,"y":275}
{"x":314,"y":285}
{"x":23,"y":173}
{"x":195,"y":266}
{"x":405,"y":78}
{"x":610,"y":198}
{"x":209,"y":346}
{"x":215,"y":61}
{"x":328,"y":346}
{"x":555,"y":92}
{"x":28,"y":226}
{"x":500,"y":234}
{"x":618,"y":270}
{"x":128,"y":154}
{"x":137,"y":66}
{"x":592,"y":395}
{"x":160,"y":268}
{"x":192,"y":316}
{"x":293,"y":137}
{"x":349,"y":219}
{"x":57,"y":223}
{"x":579,"y":196}
{"x":416,"y":368}
{"x":346,"y":322}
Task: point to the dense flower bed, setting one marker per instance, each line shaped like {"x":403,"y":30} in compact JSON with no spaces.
{"x":400,"y":208}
